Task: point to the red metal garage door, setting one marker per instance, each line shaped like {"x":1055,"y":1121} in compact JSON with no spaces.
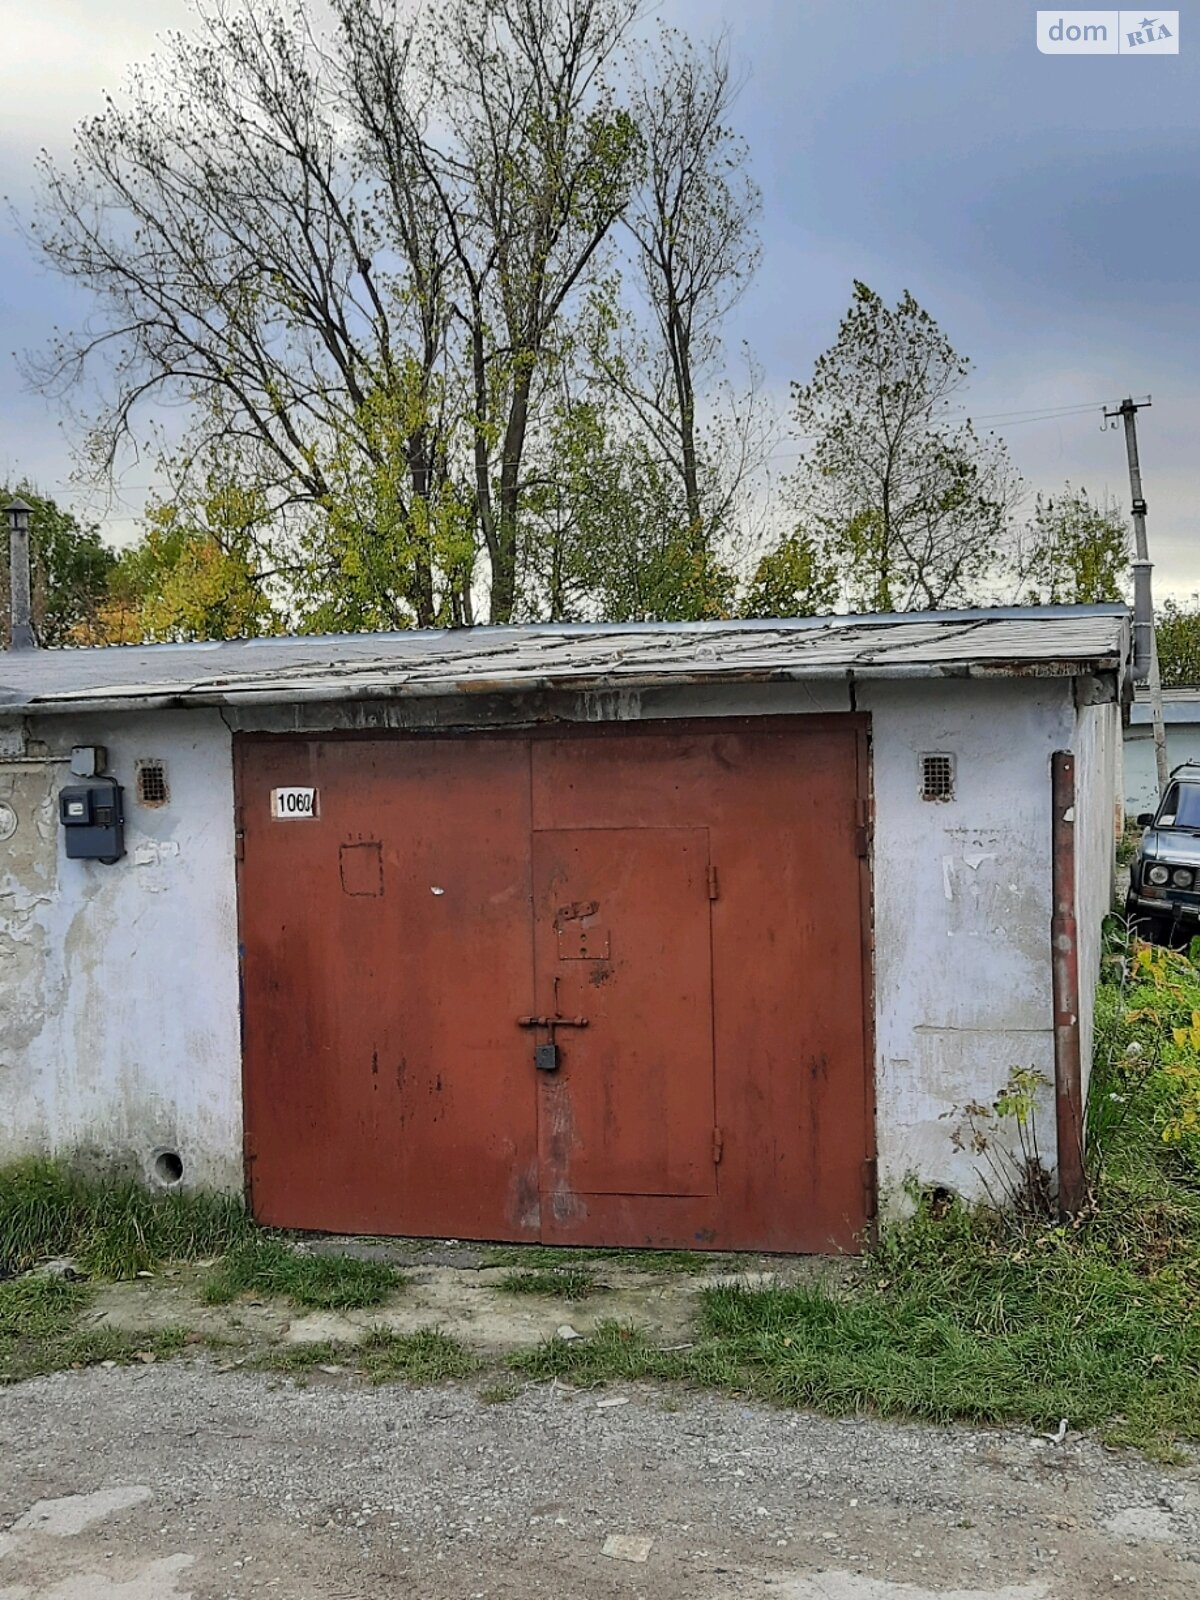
{"x":602,"y":987}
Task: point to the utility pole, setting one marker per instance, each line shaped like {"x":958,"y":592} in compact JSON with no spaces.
{"x":1128,"y":411}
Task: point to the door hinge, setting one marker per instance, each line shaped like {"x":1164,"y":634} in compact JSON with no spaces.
{"x":239,"y":835}
{"x":870,"y":1181}
{"x":862,"y":830}
{"x":718,"y":1146}
{"x":712,"y":882}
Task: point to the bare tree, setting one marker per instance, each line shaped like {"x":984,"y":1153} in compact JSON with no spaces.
{"x":692,"y":220}
{"x":355,"y":249}
{"x":531,"y":158}
{"x":911,"y":505}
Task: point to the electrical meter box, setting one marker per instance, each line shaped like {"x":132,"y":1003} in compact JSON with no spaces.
{"x":93,"y":820}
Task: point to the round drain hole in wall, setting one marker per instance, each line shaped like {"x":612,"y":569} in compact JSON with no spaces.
{"x":168,"y":1167}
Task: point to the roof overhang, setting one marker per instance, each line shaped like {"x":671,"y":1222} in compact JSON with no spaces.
{"x":1047,"y":642}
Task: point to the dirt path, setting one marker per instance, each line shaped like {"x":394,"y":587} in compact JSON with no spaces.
{"x":463,"y":1301}
{"x":223,"y":1486}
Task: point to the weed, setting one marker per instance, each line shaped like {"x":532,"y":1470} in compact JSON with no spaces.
{"x":565,"y":1283}
{"x":429,"y":1356}
{"x":1127,"y":844}
{"x":114,"y":1229}
{"x":499,"y":1393}
{"x":615,"y":1350}
{"x":681,"y":1261}
{"x":266,"y":1264}
{"x":301,"y":1358}
{"x":39,"y":1332}
{"x":530,"y":1255}
{"x":1005,"y":1136}
{"x":39,"y":1307}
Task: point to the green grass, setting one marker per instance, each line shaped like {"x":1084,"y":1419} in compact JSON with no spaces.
{"x":38,"y":1307}
{"x":39,"y":1331}
{"x":268,"y":1265}
{"x":429,"y":1356}
{"x":113,"y":1229}
{"x":563,"y":1283}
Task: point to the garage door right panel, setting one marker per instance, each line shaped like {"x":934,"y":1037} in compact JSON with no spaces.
{"x":793,"y":1114}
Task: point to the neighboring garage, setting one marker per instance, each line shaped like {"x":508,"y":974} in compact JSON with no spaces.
{"x":1181,"y":717}
{"x":688,"y":935}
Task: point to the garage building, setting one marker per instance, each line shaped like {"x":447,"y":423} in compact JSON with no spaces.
{"x":695,"y":935}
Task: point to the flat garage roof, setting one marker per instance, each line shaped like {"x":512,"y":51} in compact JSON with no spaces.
{"x":1049,"y":641}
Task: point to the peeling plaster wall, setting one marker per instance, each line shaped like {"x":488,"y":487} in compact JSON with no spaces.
{"x":962,"y":914}
{"x":119,"y":1026}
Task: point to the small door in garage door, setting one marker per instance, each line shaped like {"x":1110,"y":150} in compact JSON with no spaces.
{"x":623,"y":953}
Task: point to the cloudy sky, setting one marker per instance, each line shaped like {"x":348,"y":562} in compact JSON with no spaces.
{"x":1046,"y":210}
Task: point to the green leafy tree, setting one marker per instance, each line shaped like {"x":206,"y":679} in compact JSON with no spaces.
{"x":1177,"y":631}
{"x":912,"y":505}
{"x":381,"y":554}
{"x":794,"y":579}
{"x":1075,"y":551}
{"x":194,"y":574}
{"x":70,"y":568}
{"x":613,"y":539}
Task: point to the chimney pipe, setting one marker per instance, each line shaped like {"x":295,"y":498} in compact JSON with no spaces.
{"x":21,"y":634}
{"x":1143,"y":620}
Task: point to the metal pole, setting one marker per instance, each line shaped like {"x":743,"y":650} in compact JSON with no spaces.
{"x":1064,"y":942}
{"x":1128,"y":411}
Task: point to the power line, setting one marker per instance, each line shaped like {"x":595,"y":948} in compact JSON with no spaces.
{"x":1014,"y":419}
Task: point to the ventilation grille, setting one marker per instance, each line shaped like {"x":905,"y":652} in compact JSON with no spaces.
{"x":937,"y":777}
{"x":152,"y":783}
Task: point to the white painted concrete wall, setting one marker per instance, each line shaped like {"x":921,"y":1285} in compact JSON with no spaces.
{"x":1098,"y":821}
{"x":119,"y":1025}
{"x":962,"y":914}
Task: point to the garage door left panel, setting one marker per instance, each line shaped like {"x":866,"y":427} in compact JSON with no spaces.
{"x":386,"y":950}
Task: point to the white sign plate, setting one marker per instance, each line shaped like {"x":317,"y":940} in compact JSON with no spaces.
{"x":294,"y":805}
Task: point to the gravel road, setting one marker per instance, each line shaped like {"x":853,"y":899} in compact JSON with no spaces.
{"x":179,"y":1480}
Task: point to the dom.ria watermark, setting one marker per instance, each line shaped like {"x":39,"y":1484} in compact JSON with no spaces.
{"x":1108,"y":33}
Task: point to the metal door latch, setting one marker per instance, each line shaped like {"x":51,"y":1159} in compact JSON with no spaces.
{"x":545,"y":1056}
